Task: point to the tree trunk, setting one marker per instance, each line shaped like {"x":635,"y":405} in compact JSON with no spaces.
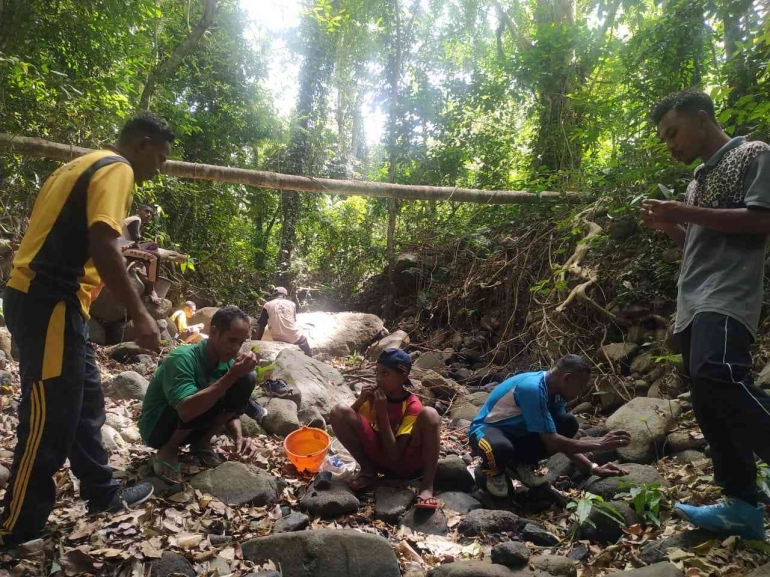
{"x":166,"y":68}
{"x":314,"y":78}
{"x":395,"y":78}
{"x":554,"y":149}
{"x":286,"y":182}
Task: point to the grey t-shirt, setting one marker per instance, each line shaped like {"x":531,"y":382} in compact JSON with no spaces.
{"x":724,"y":272}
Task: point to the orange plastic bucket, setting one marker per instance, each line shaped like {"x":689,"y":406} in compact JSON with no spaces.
{"x":306,"y":448}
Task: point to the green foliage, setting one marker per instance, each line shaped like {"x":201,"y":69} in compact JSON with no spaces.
{"x":557,"y":101}
{"x":645,"y":499}
{"x":583,"y":507}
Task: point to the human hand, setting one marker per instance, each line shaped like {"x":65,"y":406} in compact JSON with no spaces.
{"x":614,"y":440}
{"x":244,"y":364}
{"x":367,"y":392}
{"x":146,"y":332}
{"x":380,"y":402}
{"x":609,"y":470}
{"x":663,"y":214}
{"x":244,"y":446}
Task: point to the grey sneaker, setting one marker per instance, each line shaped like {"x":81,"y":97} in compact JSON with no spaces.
{"x":497,"y":485}
{"x":125,"y":498}
{"x":276,"y":388}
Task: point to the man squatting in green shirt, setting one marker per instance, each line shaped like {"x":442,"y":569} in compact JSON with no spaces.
{"x":196,"y":391}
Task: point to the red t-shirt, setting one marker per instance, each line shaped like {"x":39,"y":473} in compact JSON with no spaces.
{"x":401,"y":414}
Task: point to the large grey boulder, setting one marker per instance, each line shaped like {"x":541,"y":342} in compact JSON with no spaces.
{"x":125,"y":352}
{"x":204,"y":316}
{"x":396,"y":340}
{"x":341,"y":553}
{"x":648,"y":421}
{"x":281,"y":416}
{"x":340,"y":334}
{"x":459,"y":502}
{"x":5,"y":475}
{"x":320,"y":385}
{"x":481,"y":521}
{"x":426,"y":521}
{"x":618,"y":352}
{"x":452,"y":475}
{"x":128,"y":385}
{"x":609,"y":487}
{"x":510,"y":554}
{"x":390,"y":503}
{"x":108,"y":307}
{"x":555,"y":565}
{"x":663,"y":569}
{"x":337,"y":500}
{"x":267,"y":350}
{"x":481,"y":569}
{"x":431,"y":361}
{"x":238,"y":484}
{"x":657,"y":551}
{"x":683,"y":441}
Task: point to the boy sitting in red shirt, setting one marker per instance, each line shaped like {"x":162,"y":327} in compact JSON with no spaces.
{"x":407,"y":445}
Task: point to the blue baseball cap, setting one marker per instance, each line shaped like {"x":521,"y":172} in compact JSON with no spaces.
{"x":398,"y":360}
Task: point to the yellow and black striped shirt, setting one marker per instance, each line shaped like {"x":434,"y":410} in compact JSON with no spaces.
{"x":53,"y":260}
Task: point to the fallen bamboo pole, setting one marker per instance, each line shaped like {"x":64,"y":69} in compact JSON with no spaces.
{"x":43,"y":148}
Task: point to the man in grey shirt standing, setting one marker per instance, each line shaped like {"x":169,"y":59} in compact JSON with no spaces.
{"x":722,"y":225}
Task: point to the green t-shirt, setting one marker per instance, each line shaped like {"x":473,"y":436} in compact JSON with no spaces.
{"x":184,"y":372}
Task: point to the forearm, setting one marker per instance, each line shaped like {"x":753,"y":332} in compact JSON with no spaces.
{"x":234,"y":428}
{"x":729,"y":220}
{"x":197,"y":404}
{"x":112,"y":269}
{"x":581,"y":461}
{"x":389,"y":444}
{"x":677,"y":233}
{"x":572,"y":447}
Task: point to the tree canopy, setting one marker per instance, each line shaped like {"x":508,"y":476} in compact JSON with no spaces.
{"x":496,"y":94}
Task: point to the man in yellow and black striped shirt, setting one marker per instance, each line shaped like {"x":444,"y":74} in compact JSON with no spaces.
{"x":70,"y":246}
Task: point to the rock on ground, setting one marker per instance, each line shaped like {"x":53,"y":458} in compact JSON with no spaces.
{"x":648,"y":421}
{"x":281,"y":416}
{"x":5,"y":342}
{"x":763,"y":571}
{"x":617,"y":352}
{"x":688,"y":457}
{"x":250,"y":427}
{"x":340,"y":334}
{"x":452,"y":475}
{"x":441,"y":387}
{"x":657,"y":551}
{"x":108,"y":307}
{"x":432,"y":361}
{"x":160,"y":311}
{"x":111,"y":439}
{"x":396,"y":340}
{"x":391,"y":503}
{"x":555,"y":565}
{"x":683,"y":441}
{"x":604,"y":529}
{"x":536,"y":534}
{"x":426,"y":521}
{"x":640,"y":474}
{"x":320,"y":385}
{"x":664,"y":569}
{"x":336,"y":501}
{"x":459,"y":502}
{"x":341,"y":553}
{"x":238,"y":484}
{"x":482,"y":569}
{"x":124,"y":352}
{"x":268,"y":350}
{"x":203,"y":315}
{"x":171,"y":564}
{"x":128,"y":385}
{"x":490,"y":521}
{"x":510,"y":554}
{"x":292,"y":522}
{"x":5,"y":474}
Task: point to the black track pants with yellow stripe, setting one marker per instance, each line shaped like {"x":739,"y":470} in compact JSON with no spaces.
{"x":60,"y":416}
